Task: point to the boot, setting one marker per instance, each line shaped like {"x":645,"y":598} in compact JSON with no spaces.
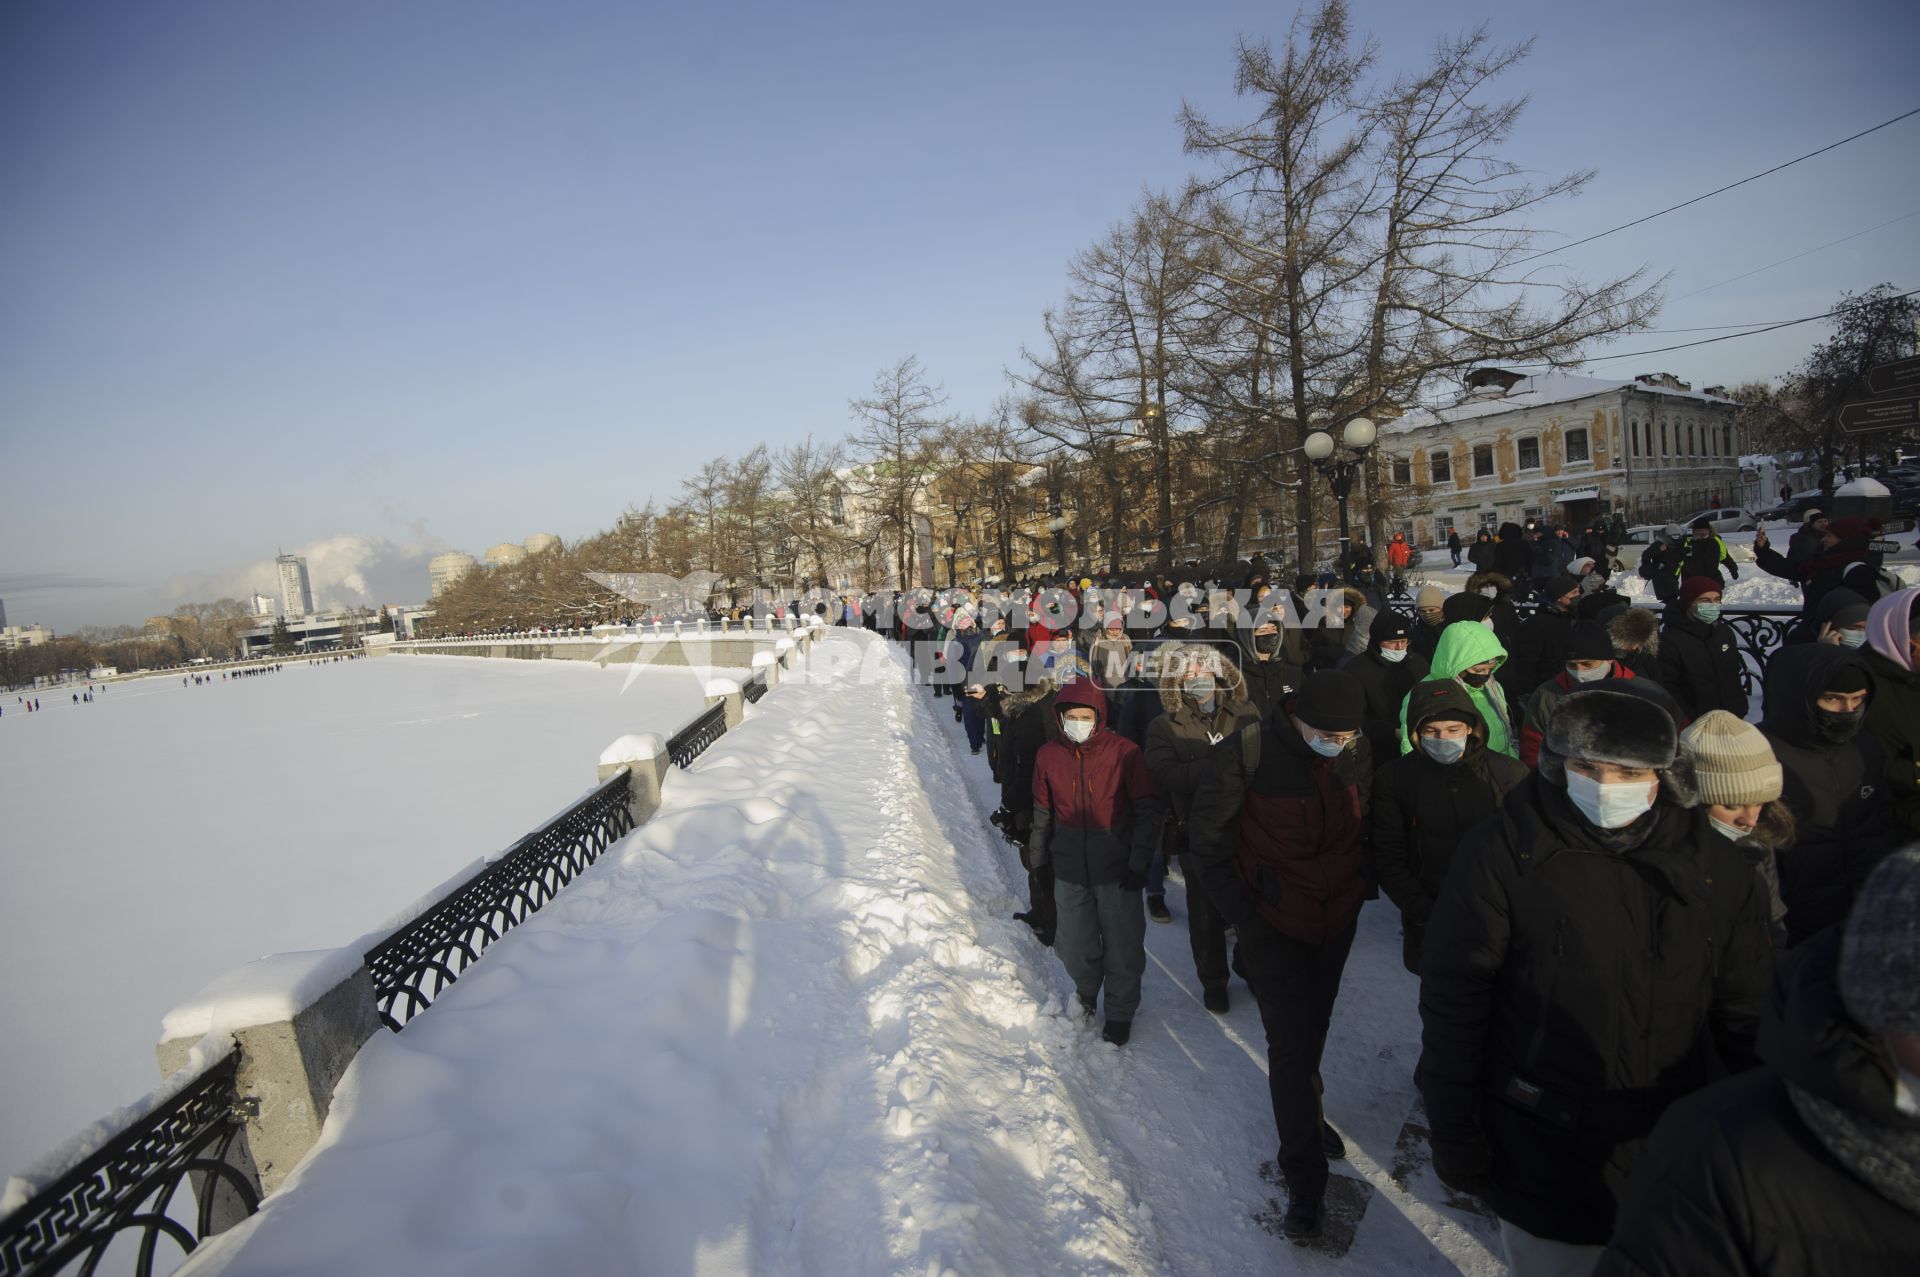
{"x":1117,"y":1031}
{"x":1330,"y":1142}
{"x":1157,"y":909}
{"x":1302,"y":1220}
{"x":1215,"y":1000}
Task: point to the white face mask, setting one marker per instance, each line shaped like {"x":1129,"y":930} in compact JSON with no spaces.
{"x":1592,"y":675}
{"x":1201,"y":689}
{"x":1077,"y":730}
{"x":1610,"y":805}
{"x":1852,"y":638}
{"x":1733,"y":833}
{"x":1392,"y":655}
{"x":1490,"y":591}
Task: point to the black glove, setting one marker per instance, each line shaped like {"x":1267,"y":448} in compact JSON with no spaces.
{"x":1465,"y":1167}
{"x":1131,"y":881}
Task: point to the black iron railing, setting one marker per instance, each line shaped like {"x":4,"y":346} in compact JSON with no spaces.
{"x":412,"y":966}
{"x":125,"y":1200}
{"x":754,"y":688}
{"x":692,"y":740}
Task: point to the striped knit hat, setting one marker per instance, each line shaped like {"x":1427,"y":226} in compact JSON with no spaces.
{"x":1733,"y":764}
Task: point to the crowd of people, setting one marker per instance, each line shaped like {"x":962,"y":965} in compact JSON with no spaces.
{"x":1668,"y":958}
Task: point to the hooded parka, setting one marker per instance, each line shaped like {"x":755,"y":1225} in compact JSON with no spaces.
{"x":1462,"y":644}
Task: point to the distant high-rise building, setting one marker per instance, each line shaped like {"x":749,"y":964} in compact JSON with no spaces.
{"x":3,"y":614}
{"x":296,"y":589}
{"x":262,"y":605}
{"x":504,"y":553}
{"x":541,"y":542}
{"x":445,"y":569}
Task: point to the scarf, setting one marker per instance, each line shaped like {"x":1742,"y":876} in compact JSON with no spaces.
{"x":1885,"y":1157}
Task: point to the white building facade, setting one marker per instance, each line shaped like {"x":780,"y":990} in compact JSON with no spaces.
{"x":296,"y":588}
{"x":1561,"y":449}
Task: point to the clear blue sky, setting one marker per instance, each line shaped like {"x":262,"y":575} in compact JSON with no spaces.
{"x":400,"y":275}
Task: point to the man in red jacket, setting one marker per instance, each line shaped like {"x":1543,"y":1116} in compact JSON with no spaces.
{"x":1278,"y":836}
{"x":1096,"y":820}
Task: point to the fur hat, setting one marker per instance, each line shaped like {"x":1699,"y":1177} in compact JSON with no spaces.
{"x":1733,"y":765}
{"x":1498,"y":580}
{"x":1880,"y":954}
{"x":1611,"y":727}
{"x":1635,"y":627}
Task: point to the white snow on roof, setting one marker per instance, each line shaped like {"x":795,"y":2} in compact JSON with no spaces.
{"x":1535,"y":392}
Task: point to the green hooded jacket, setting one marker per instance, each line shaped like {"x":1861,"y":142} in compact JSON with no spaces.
{"x":1465,"y":643}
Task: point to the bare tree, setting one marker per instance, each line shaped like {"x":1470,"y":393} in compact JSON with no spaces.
{"x":812,"y":510}
{"x":893,"y":426}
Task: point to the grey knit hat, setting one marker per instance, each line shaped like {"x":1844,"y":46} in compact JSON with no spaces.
{"x":1880,"y":955}
{"x":1733,"y":765}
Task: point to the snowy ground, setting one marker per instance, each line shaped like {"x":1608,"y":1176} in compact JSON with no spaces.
{"x":788,"y":1026}
{"x":164,"y":834}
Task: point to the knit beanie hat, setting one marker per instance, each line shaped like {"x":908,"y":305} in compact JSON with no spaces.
{"x":1733,"y":765}
{"x":1430,"y":596}
{"x":1880,"y":954}
{"x":1560,"y":586}
{"x":1694,"y":586}
{"x":1389,"y":625}
{"x":1332,"y":701}
{"x":1579,"y":565}
{"x":1589,"y":641}
{"x":1852,"y":528}
{"x":1849,"y":615}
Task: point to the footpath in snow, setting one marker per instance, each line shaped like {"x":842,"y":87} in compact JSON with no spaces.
{"x":788,"y":1026}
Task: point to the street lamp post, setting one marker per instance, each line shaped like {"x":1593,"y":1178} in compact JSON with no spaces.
{"x":1340,"y":464}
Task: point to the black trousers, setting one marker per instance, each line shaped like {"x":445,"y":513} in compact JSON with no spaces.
{"x":1295,"y":984}
{"x":1206,"y":929}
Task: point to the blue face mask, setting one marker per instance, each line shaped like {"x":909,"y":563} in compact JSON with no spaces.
{"x":1324,"y":747}
{"x":1707,"y":612}
{"x":1852,"y":638}
{"x":1444,"y":751}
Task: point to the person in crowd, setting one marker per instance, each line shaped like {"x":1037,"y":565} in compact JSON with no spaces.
{"x":1386,"y":672}
{"x":1426,"y":800}
{"x":1700,"y":660}
{"x":1096,"y":820}
{"x":1358,"y":557}
{"x":1471,"y":656}
{"x":1338,"y":630}
{"x":1596,"y":596}
{"x":1453,"y":545}
{"x":1817,"y":696}
{"x":1707,"y":555}
{"x":1808,"y":541}
{"x":1810,"y":1164}
{"x":1023,"y":721}
{"x":1278,"y":833}
{"x":1740,"y":783}
{"x":1847,"y":557}
{"x":1892,"y":657}
{"x":1273,"y":674}
{"x":1367,"y":599}
{"x":1593,"y":545}
{"x":1512,"y":557}
{"x":1840,"y":617}
{"x":1399,"y":555}
{"x":1590,"y":960}
{"x":1429,"y":618}
{"x":1499,"y":591}
{"x":1482,"y":554}
{"x":1540,"y":648}
{"x":1205,"y":701}
{"x":1589,"y":658}
{"x":1635,"y":632}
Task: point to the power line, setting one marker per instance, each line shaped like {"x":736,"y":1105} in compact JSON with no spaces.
{"x":1796,"y":257}
{"x":1719,"y":190}
{"x":1708,"y":341}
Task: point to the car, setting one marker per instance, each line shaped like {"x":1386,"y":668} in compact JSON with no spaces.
{"x":1724,"y":519}
{"x":1638,"y":538}
{"x":1795,"y":511}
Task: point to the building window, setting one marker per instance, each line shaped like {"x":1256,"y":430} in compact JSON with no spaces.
{"x":1663,"y":439}
{"x":839,"y":506}
{"x":1535,"y":514}
{"x":1483,"y":461}
{"x":1441,"y":527}
{"x":1490,"y":520}
{"x":1528,"y":450}
{"x":1403,"y":470}
{"x":1442,"y":464}
{"x":1577,"y":446}
{"x":1269,"y":526}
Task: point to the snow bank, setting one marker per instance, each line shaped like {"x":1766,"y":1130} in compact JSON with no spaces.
{"x":267,"y":990}
{"x":633,"y":749}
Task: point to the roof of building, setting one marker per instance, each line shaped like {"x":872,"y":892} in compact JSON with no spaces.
{"x":1486,"y":398}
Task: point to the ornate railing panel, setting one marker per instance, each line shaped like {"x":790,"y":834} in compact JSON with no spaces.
{"x":754,"y":688}
{"x":125,"y":1194}
{"x":412,"y":966}
{"x":692,"y":740}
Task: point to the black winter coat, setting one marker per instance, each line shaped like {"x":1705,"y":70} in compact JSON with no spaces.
{"x":1421,"y":811}
{"x":1539,"y":652}
{"x":1385,"y":685}
{"x":1025,"y":720}
{"x":1735,"y":1184}
{"x":1570,"y":992}
{"x":1482,"y":555}
{"x":1180,"y":750}
{"x":1893,"y":716}
{"x":1838,"y":794}
{"x":1700,"y":664}
{"x":1426,"y":638}
{"x":1270,"y":683}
